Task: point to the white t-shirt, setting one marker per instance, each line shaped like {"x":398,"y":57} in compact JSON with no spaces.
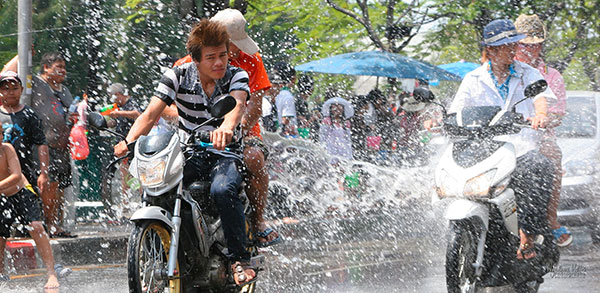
{"x":285,"y":106}
{"x":267,"y":107}
{"x":478,"y":89}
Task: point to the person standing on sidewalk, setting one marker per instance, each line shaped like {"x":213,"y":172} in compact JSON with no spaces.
{"x":529,"y":51}
{"x":51,"y":100}
{"x":128,"y":109}
{"x":18,"y":200}
{"x":284,"y":78}
{"x":23,"y":129}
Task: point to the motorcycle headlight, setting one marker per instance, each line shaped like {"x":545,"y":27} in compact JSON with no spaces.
{"x":446,"y":186}
{"x":152,"y":172}
{"x":579,"y":168}
{"x":479,"y":186}
{"x":501,"y":186}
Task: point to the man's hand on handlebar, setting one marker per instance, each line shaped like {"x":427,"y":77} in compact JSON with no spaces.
{"x":539,"y":121}
{"x":120,"y":149}
{"x":431,"y":123}
{"x":221,"y":137}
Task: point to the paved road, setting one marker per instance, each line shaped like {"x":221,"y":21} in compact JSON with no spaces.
{"x":379,"y":255}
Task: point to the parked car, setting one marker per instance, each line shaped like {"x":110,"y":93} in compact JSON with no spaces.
{"x":579,"y":139}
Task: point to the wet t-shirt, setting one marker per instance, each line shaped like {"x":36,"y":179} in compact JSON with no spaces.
{"x":23,"y":129}
{"x":52,"y":108}
{"x":124,"y":124}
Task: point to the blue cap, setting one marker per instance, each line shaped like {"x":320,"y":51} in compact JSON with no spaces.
{"x":500,"y":32}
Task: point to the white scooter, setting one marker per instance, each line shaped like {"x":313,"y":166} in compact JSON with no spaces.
{"x":472,"y":183}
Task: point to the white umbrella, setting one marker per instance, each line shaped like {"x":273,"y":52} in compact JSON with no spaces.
{"x":348,"y":108}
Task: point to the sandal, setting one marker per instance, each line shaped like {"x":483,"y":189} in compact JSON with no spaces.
{"x":265,"y":235}
{"x":525,"y":250}
{"x":558,"y":235}
{"x":242,"y":273}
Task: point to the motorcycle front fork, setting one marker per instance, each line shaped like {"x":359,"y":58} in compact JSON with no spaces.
{"x":478,"y":265}
{"x":176,"y":220}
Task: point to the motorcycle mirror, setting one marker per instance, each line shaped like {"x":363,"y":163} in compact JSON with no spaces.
{"x":423,"y":95}
{"x":531,"y":91}
{"x":223,"y":105}
{"x":536,"y":88}
{"x":97,"y":121}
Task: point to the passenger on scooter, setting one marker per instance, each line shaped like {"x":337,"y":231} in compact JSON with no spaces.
{"x":193,"y":86}
{"x":501,"y":82}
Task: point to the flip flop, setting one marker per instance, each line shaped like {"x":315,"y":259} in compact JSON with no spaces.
{"x":61,"y":271}
{"x":558,"y":233}
{"x":242,"y":273}
{"x":265,"y":235}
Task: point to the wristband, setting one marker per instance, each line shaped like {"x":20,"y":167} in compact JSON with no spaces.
{"x":125,"y":140}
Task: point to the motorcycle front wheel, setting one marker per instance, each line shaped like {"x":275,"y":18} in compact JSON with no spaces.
{"x":461,"y":254}
{"x":147,"y":259}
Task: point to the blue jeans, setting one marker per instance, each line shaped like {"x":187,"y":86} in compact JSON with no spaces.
{"x":226,"y":182}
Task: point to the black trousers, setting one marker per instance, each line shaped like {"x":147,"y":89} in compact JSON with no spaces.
{"x":532,"y":183}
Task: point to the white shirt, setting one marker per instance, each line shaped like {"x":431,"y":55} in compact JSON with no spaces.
{"x":267,"y":107}
{"x":478,"y":89}
{"x":285,"y":106}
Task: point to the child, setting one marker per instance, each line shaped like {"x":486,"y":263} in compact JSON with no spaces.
{"x":335,"y":131}
{"x":22,"y":128}
{"x":19,"y":202}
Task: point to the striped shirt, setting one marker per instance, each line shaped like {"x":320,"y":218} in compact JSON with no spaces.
{"x":181,"y":85}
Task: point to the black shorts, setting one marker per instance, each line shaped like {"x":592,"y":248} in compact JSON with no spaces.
{"x":256,"y":142}
{"x":60,"y":167}
{"x":24,"y":207}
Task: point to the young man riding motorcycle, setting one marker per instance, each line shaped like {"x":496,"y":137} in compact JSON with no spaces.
{"x":243,"y":53}
{"x":193,"y":87}
{"x":501,"y":82}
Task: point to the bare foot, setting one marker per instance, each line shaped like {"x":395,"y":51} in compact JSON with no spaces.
{"x":526,"y":248}
{"x":52,"y":282}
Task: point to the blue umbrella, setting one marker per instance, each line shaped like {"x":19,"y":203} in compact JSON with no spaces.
{"x":377,"y":63}
{"x":460,"y":68}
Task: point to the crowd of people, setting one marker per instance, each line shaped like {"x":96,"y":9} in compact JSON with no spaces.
{"x":362,"y":127}
{"x":35,"y":158}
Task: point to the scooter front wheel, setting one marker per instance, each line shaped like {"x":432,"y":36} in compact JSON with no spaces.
{"x":461,"y":254}
{"x":147,"y":259}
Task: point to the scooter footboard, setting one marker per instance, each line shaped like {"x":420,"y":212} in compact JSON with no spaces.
{"x":152,"y":213}
{"x":465,"y":209}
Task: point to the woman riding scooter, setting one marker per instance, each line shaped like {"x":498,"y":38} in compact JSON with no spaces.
{"x":501,"y":82}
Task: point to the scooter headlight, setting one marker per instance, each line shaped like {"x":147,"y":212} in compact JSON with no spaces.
{"x":446,"y":185}
{"x":479,"y":186}
{"x":501,"y":186}
{"x":152,"y":172}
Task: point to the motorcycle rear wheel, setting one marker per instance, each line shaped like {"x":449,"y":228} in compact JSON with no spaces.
{"x":461,"y":253}
{"x":147,"y":259}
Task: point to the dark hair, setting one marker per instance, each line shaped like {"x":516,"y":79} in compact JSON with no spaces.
{"x":206,"y":33}
{"x":305,"y":84}
{"x":284,"y":71}
{"x":375,"y":95}
{"x":50,"y":58}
